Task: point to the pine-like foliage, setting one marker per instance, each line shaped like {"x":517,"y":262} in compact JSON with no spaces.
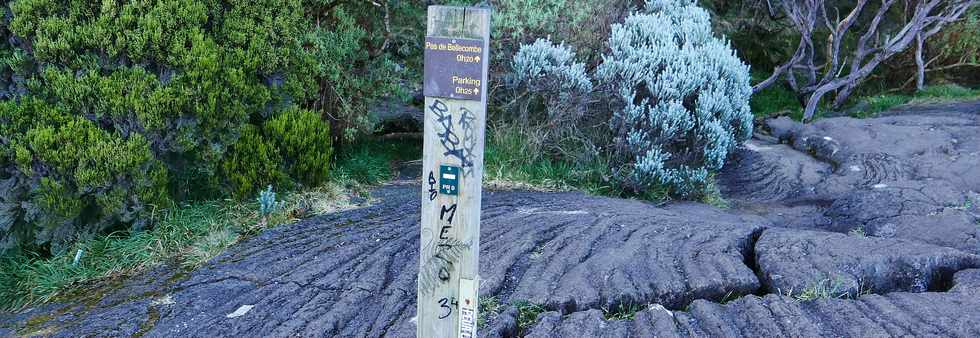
{"x":684,"y":96}
{"x":113,"y":109}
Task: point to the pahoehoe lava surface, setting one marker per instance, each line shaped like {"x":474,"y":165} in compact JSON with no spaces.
{"x":886,"y":207}
{"x":353,"y":273}
{"x":913,"y":173}
{"x":951,"y":314}
{"x":793,"y":260}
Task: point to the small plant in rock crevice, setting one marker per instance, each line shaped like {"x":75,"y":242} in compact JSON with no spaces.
{"x":550,"y":79}
{"x":730,"y":296}
{"x":823,"y":289}
{"x":527,"y":315}
{"x":859,"y":232}
{"x":490,"y":307}
{"x":828,"y":288}
{"x":622,"y":311}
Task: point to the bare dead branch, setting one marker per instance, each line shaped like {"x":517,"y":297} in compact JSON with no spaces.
{"x":922,"y":19}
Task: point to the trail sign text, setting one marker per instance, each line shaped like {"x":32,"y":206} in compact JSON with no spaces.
{"x":454,"y":68}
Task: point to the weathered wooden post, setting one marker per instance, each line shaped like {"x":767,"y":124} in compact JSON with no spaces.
{"x":456,"y":57}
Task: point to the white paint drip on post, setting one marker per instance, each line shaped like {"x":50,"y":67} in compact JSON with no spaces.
{"x":456,"y":64}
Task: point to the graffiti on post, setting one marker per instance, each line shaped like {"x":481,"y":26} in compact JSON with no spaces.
{"x":461,"y":149}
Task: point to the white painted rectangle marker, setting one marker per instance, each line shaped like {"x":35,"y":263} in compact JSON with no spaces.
{"x":468,"y":305}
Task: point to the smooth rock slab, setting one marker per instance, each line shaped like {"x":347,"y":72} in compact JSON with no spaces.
{"x":952,"y":314}
{"x":353,"y":274}
{"x":967,"y":281}
{"x":910,"y":174}
{"x":609,"y":253}
{"x":793,"y":260}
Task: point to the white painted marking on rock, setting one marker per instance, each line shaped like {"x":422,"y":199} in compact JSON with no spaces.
{"x":880,"y":186}
{"x":534,"y":211}
{"x":855,"y":168}
{"x":165,"y":300}
{"x":655,"y":307}
{"x":242,"y":310}
{"x":828,"y":138}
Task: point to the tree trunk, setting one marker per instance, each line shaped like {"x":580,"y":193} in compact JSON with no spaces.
{"x":920,"y":78}
{"x":923,"y":18}
{"x":843,"y":94}
{"x":814,"y":101}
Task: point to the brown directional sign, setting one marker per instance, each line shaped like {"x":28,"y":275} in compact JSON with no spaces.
{"x":454,"y":68}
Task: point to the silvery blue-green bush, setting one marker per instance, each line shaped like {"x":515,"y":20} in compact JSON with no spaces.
{"x":684,"y":96}
{"x":552,"y":71}
{"x":267,"y":201}
{"x":547,"y":78}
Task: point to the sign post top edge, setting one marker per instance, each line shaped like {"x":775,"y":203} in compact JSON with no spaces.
{"x":458,"y":22}
{"x":466,"y":8}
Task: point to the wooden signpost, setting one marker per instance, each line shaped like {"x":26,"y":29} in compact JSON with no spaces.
{"x":456,"y":57}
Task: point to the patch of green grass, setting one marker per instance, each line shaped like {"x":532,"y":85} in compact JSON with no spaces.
{"x":189,"y":235}
{"x":829,"y":288}
{"x":941,"y":93}
{"x":185,"y":235}
{"x":777,"y":99}
{"x":780,"y":100}
{"x":527,"y":315}
{"x":371,"y":161}
{"x":512,"y":161}
{"x":823,"y":289}
{"x":490,"y":307}
{"x":26,"y":278}
{"x":880,"y":103}
{"x":933,"y":94}
{"x":622,"y":312}
{"x":209,"y":246}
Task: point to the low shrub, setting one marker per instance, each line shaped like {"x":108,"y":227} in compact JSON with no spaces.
{"x":679,"y":99}
{"x":65,"y":178}
{"x":293,"y":148}
{"x":303,"y":140}
{"x":684,"y":96}
{"x":584,"y":24}
{"x":548,"y":79}
{"x":253,"y":162}
{"x":115,"y":107}
{"x":350,"y":68}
